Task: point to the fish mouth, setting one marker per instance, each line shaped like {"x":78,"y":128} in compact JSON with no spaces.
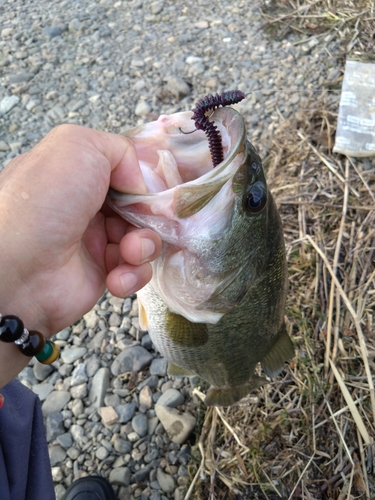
{"x":177,"y":166}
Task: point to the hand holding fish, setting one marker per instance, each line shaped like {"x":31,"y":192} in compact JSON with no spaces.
{"x":61,"y":246}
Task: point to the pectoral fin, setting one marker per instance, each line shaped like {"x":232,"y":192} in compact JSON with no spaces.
{"x":143,"y":321}
{"x":183,"y":332}
{"x":177,"y":371}
{"x":230,"y":395}
{"x":281,"y":351}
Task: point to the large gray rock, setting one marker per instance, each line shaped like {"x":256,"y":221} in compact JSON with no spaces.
{"x":100,"y":384}
{"x":56,"y":454}
{"x":55,"y":402}
{"x":177,"y":425}
{"x":132,"y":359}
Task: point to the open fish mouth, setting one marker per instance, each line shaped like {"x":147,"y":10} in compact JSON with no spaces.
{"x":177,"y":167}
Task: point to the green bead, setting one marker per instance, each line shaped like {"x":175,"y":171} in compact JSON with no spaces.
{"x":49,"y":354}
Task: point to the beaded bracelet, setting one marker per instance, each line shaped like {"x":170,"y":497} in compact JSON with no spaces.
{"x":30,"y":343}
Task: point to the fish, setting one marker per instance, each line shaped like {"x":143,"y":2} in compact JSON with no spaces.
{"x":215,"y":305}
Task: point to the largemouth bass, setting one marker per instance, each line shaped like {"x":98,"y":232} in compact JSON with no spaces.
{"x":215,"y":304}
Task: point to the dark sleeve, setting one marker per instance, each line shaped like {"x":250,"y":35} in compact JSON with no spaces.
{"x":25,"y":470}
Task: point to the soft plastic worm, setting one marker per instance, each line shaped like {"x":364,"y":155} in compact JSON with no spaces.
{"x":202,"y":121}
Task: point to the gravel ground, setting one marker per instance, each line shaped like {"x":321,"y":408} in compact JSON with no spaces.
{"x":112,"y":65}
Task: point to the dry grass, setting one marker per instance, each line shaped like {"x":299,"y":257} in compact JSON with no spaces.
{"x":309,"y":433}
{"x":350,"y":22}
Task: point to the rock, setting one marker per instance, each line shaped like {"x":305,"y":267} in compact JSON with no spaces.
{"x":91,"y":319}
{"x":100,"y":384}
{"x":27,"y":377}
{"x":54,"y":426}
{"x":122,"y":446}
{"x":57,"y":474}
{"x":25,"y":76}
{"x":56,"y":454}
{"x":101,"y":453}
{"x":55,"y":402}
{"x":145,"y":397}
{"x":178,"y":425}
{"x":77,"y":407}
{"x":157,"y":7}
{"x":4,"y":146}
{"x":139,"y":424}
{"x":42,"y":371}
{"x":159,"y":367}
{"x":166,"y":481}
{"x":179,"y":493}
{"x":65,"y":440}
{"x":52,"y":31}
{"x":114,"y":319}
{"x":78,"y":434}
{"x":108,"y":414}
{"x":120,"y":476}
{"x":171,"y":398}
{"x":64,"y":334}
{"x":152,"y":423}
{"x":68,"y":356}
{"x":133,"y":437}
{"x":142,"y":108}
{"x":79,"y":391}
{"x":56,"y":113}
{"x":125,"y":412}
{"x":92,"y":366}
{"x":142,"y":474}
{"x":79,"y":375}
{"x":177,"y":86}
{"x":111,"y":400}
{"x":7,"y":103}
{"x":43,"y":390}
{"x":132,"y":359}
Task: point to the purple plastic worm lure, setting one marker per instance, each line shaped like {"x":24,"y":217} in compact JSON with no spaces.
{"x":202,"y":121}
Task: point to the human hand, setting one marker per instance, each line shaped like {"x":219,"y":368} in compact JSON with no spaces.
{"x":59,"y":247}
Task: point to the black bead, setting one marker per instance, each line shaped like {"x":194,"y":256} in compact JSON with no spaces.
{"x":11,"y":328}
{"x":33,"y":345}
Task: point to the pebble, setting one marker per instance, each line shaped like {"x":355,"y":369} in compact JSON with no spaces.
{"x":159,"y":367}
{"x":122,"y":446}
{"x":55,"y":402}
{"x":54,"y":426}
{"x":100,"y":384}
{"x":57,"y":454}
{"x":91,"y":319}
{"x":120,"y":476}
{"x":142,"y":108}
{"x":43,"y":390}
{"x":108,"y":414}
{"x":101,"y":453}
{"x":132,"y":359}
{"x":68,"y":356}
{"x":7,"y":103}
{"x":166,"y":481}
{"x":172,"y":398}
{"x":125,"y":412}
{"x":178,"y":425}
{"x":139,"y":424}
{"x":79,"y":375}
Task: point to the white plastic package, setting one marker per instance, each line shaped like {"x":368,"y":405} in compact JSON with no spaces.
{"x":355,"y":134}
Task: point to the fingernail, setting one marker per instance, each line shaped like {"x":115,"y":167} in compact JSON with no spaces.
{"x":128,"y":281}
{"x":148,"y":248}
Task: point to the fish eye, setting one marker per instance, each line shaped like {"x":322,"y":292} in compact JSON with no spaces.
{"x":256,"y":198}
